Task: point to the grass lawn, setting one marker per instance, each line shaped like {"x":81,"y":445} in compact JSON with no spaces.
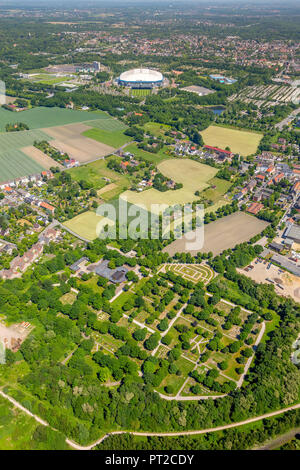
{"x":94,"y":173}
{"x":115,"y":139}
{"x":218,"y":187}
{"x":156,"y":129}
{"x":242,"y":142}
{"x":140,"y":92}
{"x":85,"y":224}
{"x":191,"y":174}
{"x":148,"y":156}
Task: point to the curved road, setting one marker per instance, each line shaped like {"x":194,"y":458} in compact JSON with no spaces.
{"x":76,"y":446}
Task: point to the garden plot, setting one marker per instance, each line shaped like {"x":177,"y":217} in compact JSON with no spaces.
{"x":191,"y":272}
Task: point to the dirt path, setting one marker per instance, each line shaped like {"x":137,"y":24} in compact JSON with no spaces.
{"x":76,"y":446}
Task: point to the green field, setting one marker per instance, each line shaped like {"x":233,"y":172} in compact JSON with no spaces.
{"x":85,"y":224}
{"x":18,"y":431}
{"x":107,"y":124}
{"x":193,"y":175}
{"x":94,"y":173}
{"x":140,"y":92}
{"x":242,"y":142}
{"x":38,"y":118}
{"x":17,"y":140}
{"x":115,"y":139}
{"x":148,"y":156}
{"x":15,"y":163}
{"x":156,"y":129}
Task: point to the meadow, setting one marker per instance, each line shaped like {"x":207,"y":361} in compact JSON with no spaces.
{"x":242,"y":142}
{"x":113,"y":138}
{"x":94,"y":174}
{"x":85,"y":224}
{"x":193,"y":175}
{"x":42,"y":117}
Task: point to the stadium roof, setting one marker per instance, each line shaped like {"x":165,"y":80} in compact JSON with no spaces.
{"x":141,"y":75}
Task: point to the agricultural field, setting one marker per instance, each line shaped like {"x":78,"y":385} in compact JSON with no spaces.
{"x":242,"y":142}
{"x":85,"y":225}
{"x":15,"y":163}
{"x":40,"y":117}
{"x":222,"y":234}
{"x":268,"y":95}
{"x":114,"y":138}
{"x":193,"y":175}
{"x":190,"y":272}
{"x":68,"y":139}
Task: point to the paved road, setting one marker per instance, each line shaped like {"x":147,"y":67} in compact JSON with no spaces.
{"x":74,"y":445}
{"x":286,"y":121}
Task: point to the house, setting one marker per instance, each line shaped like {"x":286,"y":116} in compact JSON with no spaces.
{"x":260,"y":177}
{"x":218,"y":151}
{"x":70,"y":163}
{"x":124,"y":165}
{"x":47,"y":207}
{"x":296,"y":188}
{"x":77,"y":266}
{"x":278,"y":178}
{"x":255,"y":208}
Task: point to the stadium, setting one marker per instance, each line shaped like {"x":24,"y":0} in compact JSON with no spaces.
{"x":141,"y":78}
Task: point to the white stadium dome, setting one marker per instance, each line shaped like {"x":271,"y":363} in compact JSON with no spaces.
{"x":141,"y":76}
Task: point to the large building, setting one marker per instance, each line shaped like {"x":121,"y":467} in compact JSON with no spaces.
{"x":141,"y":78}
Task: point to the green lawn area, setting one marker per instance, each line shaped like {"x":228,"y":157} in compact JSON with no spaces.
{"x":218,"y":187}
{"x":94,"y":173}
{"x":41,"y":117}
{"x":115,"y":139}
{"x":149,"y":156}
{"x":140,"y":92}
{"x":242,"y":142}
{"x":156,"y":129}
{"x":193,"y":175}
{"x":85,"y":225}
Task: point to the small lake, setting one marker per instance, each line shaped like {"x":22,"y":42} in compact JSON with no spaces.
{"x":217,"y":109}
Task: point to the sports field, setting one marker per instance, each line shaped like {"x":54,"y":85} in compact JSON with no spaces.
{"x":191,"y":174}
{"x":191,"y":272}
{"x":242,"y":142}
{"x":140,"y":92}
{"x":85,"y":224}
{"x":222,"y":234}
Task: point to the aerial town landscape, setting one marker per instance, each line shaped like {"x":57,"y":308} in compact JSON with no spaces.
{"x":117,"y":333}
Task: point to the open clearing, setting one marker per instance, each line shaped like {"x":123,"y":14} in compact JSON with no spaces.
{"x":242,"y":142}
{"x":85,"y":224}
{"x":222,"y":234}
{"x":289,"y":282}
{"x":191,"y":174}
{"x":69,"y":139}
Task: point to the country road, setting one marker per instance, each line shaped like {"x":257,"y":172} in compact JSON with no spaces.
{"x":76,"y":446}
